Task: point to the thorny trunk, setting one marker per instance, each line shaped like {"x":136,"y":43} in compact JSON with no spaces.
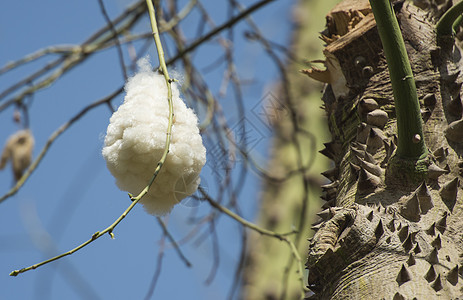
{"x":385,"y":236}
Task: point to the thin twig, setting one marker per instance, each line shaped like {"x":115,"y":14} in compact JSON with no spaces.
{"x":57,"y":49}
{"x":263,"y":231}
{"x":73,"y":49}
{"x":65,"y":126}
{"x":95,"y":236}
{"x":166,"y":26}
{"x":250,"y":225}
{"x":136,"y":199}
{"x":116,"y":38}
{"x":157,"y":272}
{"x":215,"y":253}
{"x":173,"y":242}
{"x":68,"y":62}
{"x":52,"y":139}
{"x":225,"y":25}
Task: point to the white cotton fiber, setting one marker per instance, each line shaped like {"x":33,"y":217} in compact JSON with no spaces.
{"x":136,"y":138}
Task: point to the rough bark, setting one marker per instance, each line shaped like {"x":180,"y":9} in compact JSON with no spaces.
{"x":385,"y":235}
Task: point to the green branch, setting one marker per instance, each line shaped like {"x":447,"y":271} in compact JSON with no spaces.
{"x":450,"y":20}
{"x":409,"y":123}
{"x":457,"y":23}
{"x":136,"y":199}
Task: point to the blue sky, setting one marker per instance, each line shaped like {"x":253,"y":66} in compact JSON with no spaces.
{"x":72,"y":194}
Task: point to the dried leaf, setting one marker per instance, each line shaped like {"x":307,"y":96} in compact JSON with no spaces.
{"x":18,"y":150}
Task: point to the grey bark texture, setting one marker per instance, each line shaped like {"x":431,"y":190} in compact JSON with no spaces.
{"x":383,"y":235}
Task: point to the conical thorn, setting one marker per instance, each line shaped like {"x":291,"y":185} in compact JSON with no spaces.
{"x":408,"y":245}
{"x":403,"y":233}
{"x":429,"y":100}
{"x":434,"y":172}
{"x":455,"y":89}
{"x":334,"y":147}
{"x":432,"y":229}
{"x":413,"y":235}
{"x":375,"y":140}
{"x":449,"y":193}
{"x":369,"y":216}
{"x":437,"y":243}
{"x":455,"y":107}
{"x":357,"y":154}
{"x":367,"y":181}
{"x":432,"y":257}
{"x":440,"y":154}
{"x":411,"y":260}
{"x":437,"y":284}
{"x":327,"y":153}
{"x":369,"y":158}
{"x":431,"y":274}
{"x":450,"y":78}
{"x":398,"y":296}
{"x":379,"y":207}
{"x":354,"y":169}
{"x":326,"y":214}
{"x":329,"y":190}
{"x":390,"y":148}
{"x":441,"y":225}
{"x":424,"y":198}
{"x":317,"y":227}
{"x":452,"y":276}
{"x":372,"y":168}
{"x":403,"y":276}
{"x":391,"y":225}
{"x":454,"y":131}
{"x":362,"y":132}
{"x":331,"y":174}
{"x":379,"y":230}
{"x":330,"y":203}
{"x":410,"y":209}
{"x":425,"y":114}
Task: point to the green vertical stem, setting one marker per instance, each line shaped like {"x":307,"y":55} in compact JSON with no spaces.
{"x":409,"y":124}
{"x":162,"y":64}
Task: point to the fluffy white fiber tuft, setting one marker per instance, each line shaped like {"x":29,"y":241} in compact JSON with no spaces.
{"x":136,"y":138}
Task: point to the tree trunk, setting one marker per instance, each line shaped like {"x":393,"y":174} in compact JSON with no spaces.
{"x":386,"y":235}
{"x":270,"y":271}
